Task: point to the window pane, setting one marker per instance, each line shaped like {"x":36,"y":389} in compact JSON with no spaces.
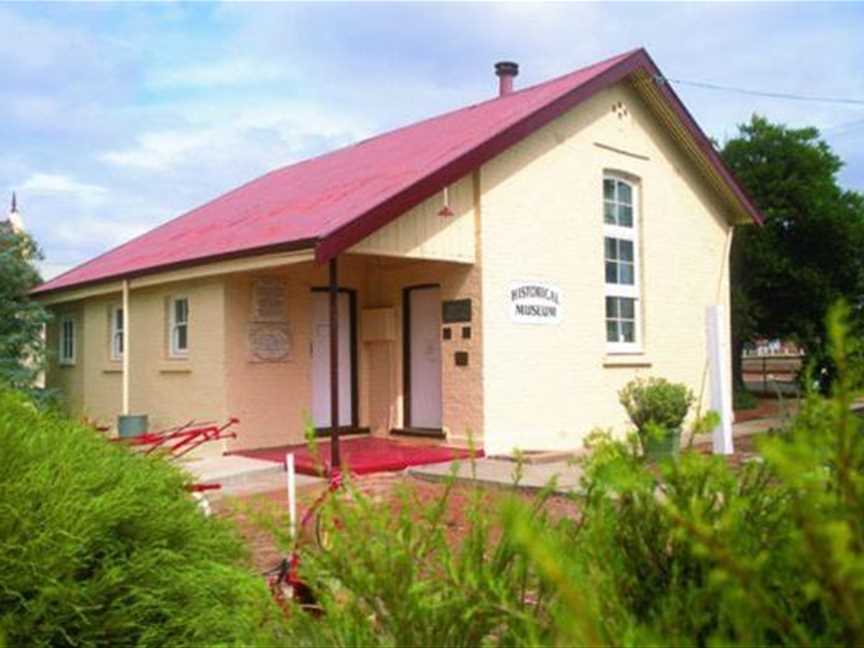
{"x":610,"y":248}
{"x":625,"y":216}
{"x":611,"y":307}
{"x":625,"y":193}
{"x":611,"y":331}
{"x":628,"y":331}
{"x":67,"y":342}
{"x":625,"y":274}
{"x":611,"y":272}
{"x":181,"y":309}
{"x":181,"y":338}
{"x":625,"y":250}
{"x":627,"y":308}
{"x":608,"y":189}
{"x":609,"y":213}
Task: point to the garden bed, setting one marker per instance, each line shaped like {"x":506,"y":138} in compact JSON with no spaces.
{"x":381,"y":486}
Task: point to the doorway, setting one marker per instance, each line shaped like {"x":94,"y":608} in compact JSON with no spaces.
{"x":422,"y":358}
{"x":347,"y":347}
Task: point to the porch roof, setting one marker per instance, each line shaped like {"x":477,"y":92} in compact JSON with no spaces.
{"x":331,"y":202}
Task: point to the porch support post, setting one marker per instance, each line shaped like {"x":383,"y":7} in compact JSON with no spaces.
{"x":335,"y":461}
{"x":126,"y":350}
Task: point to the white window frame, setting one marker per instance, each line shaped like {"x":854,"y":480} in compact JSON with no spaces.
{"x":173,"y":325}
{"x":65,"y":358}
{"x":622,"y":290}
{"x":117,"y":332}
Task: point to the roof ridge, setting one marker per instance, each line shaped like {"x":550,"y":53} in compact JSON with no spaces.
{"x":610,"y":62}
{"x":515,"y":93}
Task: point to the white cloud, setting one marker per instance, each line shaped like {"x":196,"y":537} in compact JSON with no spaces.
{"x":219,"y":74}
{"x":220,"y":135}
{"x":50,"y":270}
{"x":48,"y":183}
{"x":159,"y":150}
{"x":108,"y":232}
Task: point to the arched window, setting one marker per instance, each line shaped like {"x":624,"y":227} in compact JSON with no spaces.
{"x":621,"y":257}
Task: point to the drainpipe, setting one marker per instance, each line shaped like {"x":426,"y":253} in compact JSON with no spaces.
{"x":335,"y":460}
{"x":126,"y":350}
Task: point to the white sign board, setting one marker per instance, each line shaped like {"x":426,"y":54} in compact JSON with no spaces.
{"x":534,"y":302}
{"x":721,"y":386}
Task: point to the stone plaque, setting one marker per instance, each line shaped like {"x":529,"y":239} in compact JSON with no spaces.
{"x":270,"y":342}
{"x":268,"y":300}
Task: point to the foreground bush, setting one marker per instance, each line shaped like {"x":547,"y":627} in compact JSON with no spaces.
{"x":100,"y":546}
{"x":690,"y":552}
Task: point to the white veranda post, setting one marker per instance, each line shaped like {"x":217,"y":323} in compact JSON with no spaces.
{"x":721,"y":387}
{"x":126,"y":352}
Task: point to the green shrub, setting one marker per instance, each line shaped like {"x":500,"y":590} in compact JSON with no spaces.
{"x":102,"y":546}
{"x":394,"y":578}
{"x":693,"y":552}
{"x":697,"y":552}
{"x":657,"y":408}
{"x":657,"y":401}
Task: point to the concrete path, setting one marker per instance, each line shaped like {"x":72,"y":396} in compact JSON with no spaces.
{"x":242,"y":475}
{"x":743,"y":429}
{"x":502,"y":473}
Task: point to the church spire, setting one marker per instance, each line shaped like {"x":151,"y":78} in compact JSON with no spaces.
{"x":14,"y":219}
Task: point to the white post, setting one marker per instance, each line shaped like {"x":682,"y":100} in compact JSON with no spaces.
{"x":126,"y":347}
{"x":721,"y":386}
{"x":292,"y":493}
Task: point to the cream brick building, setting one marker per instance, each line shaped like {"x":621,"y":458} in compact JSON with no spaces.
{"x":502,"y":270}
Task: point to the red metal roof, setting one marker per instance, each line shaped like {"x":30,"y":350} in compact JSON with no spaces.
{"x":333,"y":201}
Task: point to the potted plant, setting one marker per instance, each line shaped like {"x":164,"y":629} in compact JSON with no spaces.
{"x":657,"y":408}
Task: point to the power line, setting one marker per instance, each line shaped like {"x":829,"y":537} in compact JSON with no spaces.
{"x":760,"y":93}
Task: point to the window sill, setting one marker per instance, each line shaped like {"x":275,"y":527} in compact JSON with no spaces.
{"x":627,"y":360}
{"x":66,"y":365}
{"x":114,"y":368}
{"x":176,"y":366}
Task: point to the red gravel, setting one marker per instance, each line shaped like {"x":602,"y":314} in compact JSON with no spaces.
{"x":381,"y":486}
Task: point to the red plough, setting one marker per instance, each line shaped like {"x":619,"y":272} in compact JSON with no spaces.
{"x":178,"y":441}
{"x":182,"y":440}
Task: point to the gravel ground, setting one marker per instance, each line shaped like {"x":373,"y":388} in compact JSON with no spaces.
{"x":382,"y":486}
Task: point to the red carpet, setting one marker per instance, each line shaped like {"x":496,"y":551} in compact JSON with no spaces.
{"x":362,"y":455}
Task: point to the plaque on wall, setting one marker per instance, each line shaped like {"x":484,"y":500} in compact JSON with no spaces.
{"x":270,"y":342}
{"x":456,"y":310}
{"x":268,"y":300}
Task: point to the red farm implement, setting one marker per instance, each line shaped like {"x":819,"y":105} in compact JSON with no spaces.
{"x":179,"y":441}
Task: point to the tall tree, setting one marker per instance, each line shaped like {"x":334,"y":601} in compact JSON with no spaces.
{"x":786,"y":274}
{"x":22,"y":320}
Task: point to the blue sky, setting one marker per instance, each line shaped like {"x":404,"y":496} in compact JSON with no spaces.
{"x":117,"y":117}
